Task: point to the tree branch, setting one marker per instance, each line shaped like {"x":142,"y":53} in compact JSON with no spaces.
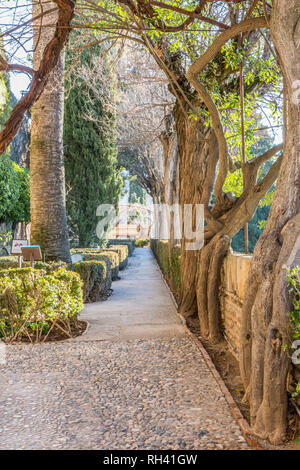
{"x":251,"y":167}
{"x":192,"y":75}
{"x":40,"y":77}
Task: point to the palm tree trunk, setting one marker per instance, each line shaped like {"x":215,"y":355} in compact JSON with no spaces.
{"x":47,"y":176}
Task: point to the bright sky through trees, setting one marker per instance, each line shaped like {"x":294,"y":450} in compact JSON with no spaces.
{"x":13,"y":13}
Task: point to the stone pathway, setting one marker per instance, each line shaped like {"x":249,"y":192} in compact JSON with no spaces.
{"x":140,"y":307}
{"x":134,"y":381}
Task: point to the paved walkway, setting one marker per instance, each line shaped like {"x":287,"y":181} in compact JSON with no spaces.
{"x":140,"y":307}
{"x":134,"y":381}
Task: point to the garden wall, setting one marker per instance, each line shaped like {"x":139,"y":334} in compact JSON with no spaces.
{"x":233,"y":284}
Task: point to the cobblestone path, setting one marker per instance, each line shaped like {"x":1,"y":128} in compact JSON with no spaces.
{"x":134,"y":381}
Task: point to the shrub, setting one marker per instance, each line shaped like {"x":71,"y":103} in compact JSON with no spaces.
{"x":7,"y":262}
{"x":123,"y":241}
{"x":33,"y":302}
{"x":141,"y":243}
{"x":175,"y":271}
{"x":122,"y":251}
{"x":90,"y":254}
{"x":96,"y":277}
{"x":49,"y":267}
{"x":170,"y":265}
{"x":294,"y":283}
{"x":14,"y":191}
{"x":153,"y":245}
{"x":163,"y":257}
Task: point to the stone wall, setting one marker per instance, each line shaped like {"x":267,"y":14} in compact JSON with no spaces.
{"x":233,"y":284}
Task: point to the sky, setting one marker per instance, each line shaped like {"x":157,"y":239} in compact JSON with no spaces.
{"x":19,"y":83}
{"x":11,"y":13}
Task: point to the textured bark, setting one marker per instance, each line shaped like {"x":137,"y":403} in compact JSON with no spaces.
{"x":193,"y":153}
{"x":47,"y":178}
{"x":264,"y":363}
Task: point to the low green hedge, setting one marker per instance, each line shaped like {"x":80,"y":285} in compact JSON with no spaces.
{"x":141,"y":243}
{"x":7,"y":262}
{"x":153,"y":245}
{"x":122,"y":251}
{"x":96,"y":277}
{"x":33,"y":302}
{"x":169,"y":263}
{"x":175,"y":271}
{"x":96,"y":271}
{"x":130,"y":242}
{"x":90,"y":254}
{"x":163,"y":257}
{"x":293,"y":276}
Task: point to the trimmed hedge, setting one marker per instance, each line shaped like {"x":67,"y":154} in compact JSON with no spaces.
{"x":90,"y":254}
{"x":130,"y":242}
{"x":7,"y":262}
{"x":169,"y":263}
{"x":96,"y":277}
{"x":122,"y":251}
{"x":163,"y":257}
{"x":97,"y":270}
{"x":175,"y":271}
{"x":33,"y":302}
{"x":141,"y":243}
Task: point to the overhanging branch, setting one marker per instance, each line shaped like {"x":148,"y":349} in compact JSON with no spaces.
{"x":192,"y":76}
{"x":49,"y":60}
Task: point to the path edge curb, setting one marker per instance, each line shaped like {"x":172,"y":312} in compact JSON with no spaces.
{"x":234,"y":409}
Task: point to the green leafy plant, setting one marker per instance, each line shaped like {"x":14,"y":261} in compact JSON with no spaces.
{"x":96,"y":278}
{"x":14,"y":192}
{"x":90,"y":149}
{"x":5,"y":238}
{"x":90,"y":254}
{"x":293,"y":276}
{"x":296,"y":393}
{"x":141,"y":243}
{"x":122,"y":251}
{"x":129,"y":242}
{"x":33,"y":303}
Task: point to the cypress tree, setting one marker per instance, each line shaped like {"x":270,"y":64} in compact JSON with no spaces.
{"x":6,"y":97}
{"x":92,"y":177}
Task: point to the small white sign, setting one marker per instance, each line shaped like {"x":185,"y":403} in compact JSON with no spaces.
{"x":16,"y":247}
{"x":76,"y":258}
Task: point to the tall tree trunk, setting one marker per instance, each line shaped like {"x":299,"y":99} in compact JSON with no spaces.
{"x":264,"y":361}
{"x":193,"y":154}
{"x":169,"y":143}
{"x":47,"y":177}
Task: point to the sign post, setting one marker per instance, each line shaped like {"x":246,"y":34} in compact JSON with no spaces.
{"x":32,"y":253}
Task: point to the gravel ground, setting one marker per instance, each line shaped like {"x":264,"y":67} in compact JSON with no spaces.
{"x":139,"y":394}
